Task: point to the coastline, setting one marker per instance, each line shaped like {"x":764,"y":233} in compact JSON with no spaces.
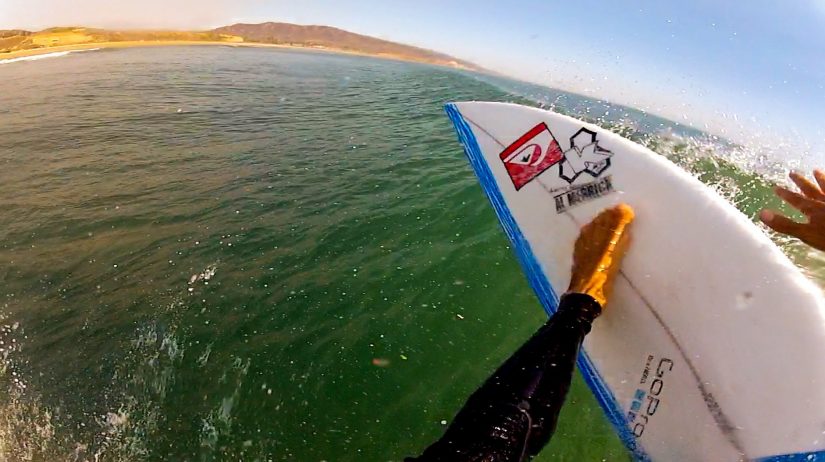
{"x":142,"y":43}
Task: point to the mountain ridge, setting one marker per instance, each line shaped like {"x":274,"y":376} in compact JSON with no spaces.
{"x":321,"y":36}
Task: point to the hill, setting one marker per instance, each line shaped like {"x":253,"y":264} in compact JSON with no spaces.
{"x":21,"y":42}
{"x":336,"y":39}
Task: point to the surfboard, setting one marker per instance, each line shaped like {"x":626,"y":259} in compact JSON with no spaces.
{"x":712,"y":346}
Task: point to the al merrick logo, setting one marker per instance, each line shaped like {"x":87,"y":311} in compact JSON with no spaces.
{"x":538,"y":150}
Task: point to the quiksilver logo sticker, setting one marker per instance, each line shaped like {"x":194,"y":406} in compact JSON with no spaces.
{"x":531,"y":155}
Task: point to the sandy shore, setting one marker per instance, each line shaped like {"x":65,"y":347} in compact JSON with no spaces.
{"x":141,"y":43}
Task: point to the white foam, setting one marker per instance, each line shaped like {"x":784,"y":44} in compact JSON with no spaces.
{"x":55,"y":54}
{"x":204,"y":275}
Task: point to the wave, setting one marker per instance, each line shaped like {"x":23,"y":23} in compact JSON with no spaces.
{"x":55,"y":54}
{"x":679,"y":142}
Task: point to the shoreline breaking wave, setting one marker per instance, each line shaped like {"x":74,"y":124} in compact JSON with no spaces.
{"x":56,"y":54}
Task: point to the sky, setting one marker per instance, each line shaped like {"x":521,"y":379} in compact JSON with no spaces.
{"x":740,"y":68}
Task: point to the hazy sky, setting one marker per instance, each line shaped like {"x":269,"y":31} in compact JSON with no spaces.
{"x":752,"y":65}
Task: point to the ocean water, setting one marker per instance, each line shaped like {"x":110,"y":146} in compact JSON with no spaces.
{"x":213,"y":254}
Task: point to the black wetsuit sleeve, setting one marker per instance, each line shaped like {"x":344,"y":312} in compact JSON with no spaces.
{"x":514,"y":413}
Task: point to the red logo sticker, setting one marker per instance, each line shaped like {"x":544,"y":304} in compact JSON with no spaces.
{"x":532,"y":154}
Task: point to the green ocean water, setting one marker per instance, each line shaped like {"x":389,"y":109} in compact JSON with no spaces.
{"x":213,"y":254}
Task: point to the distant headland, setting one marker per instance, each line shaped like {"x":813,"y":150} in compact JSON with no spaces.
{"x":19,"y":43}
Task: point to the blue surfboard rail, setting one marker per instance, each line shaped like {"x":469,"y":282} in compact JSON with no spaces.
{"x":549,"y":299}
{"x":801,"y":457}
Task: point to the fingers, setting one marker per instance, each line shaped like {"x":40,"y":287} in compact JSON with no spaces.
{"x":807,"y":187}
{"x":819,"y":175}
{"x":605,"y":232}
{"x":598,"y":252}
{"x":804,"y":204}
{"x":619,"y":215}
{"x":781,"y":223}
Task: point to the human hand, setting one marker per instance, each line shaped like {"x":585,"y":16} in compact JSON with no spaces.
{"x":811,"y":202}
{"x":598,"y":253}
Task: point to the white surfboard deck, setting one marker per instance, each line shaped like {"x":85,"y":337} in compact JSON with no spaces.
{"x":712,"y":347}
